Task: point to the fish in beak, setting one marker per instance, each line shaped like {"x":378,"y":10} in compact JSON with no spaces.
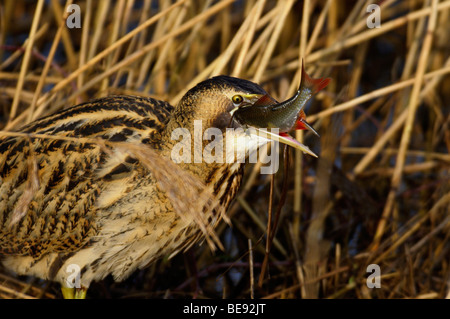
{"x":286,"y":116}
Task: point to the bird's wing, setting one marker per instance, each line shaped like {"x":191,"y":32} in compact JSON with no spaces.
{"x":54,"y":170}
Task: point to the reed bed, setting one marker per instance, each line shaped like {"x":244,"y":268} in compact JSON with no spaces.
{"x":379,"y":192}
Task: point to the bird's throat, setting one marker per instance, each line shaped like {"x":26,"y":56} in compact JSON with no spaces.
{"x":200,"y":148}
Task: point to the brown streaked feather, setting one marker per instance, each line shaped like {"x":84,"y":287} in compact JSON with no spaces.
{"x":59,"y":214}
{"x":110,"y":199}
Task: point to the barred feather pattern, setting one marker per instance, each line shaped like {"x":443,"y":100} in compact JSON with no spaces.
{"x":94,"y":206}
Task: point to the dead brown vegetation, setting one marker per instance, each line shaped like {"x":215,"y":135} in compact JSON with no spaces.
{"x":378,"y":194}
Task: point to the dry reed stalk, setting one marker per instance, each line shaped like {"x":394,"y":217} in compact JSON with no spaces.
{"x":48,"y":62}
{"x":261,"y":225}
{"x":286,"y":6}
{"x":364,"y":162}
{"x":295,"y":287}
{"x":412,"y":108}
{"x":370,"y":34}
{"x":137,"y":55}
{"x":26,"y":59}
{"x":248,"y":37}
{"x":17,"y":53}
{"x":150,"y":55}
{"x":407,"y":169}
{"x":390,"y":151}
{"x":84,"y":41}
{"x":224,"y":58}
{"x":377,"y":93}
{"x":99,"y":21}
{"x":174,"y":45}
{"x":254,"y":56}
{"x":250,"y":261}
{"x":48,"y":97}
{"x":298,"y":263}
{"x":298,"y":157}
{"x":117,"y":14}
{"x":60,"y":17}
{"x":94,"y":60}
{"x":441,"y":203}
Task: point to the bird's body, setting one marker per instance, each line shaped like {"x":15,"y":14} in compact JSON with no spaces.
{"x":67,"y":204}
{"x":78,"y":202}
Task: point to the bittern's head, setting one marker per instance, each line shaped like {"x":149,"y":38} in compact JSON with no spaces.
{"x":213,"y":101}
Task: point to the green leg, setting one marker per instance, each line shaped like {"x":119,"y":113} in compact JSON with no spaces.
{"x":74,"y":293}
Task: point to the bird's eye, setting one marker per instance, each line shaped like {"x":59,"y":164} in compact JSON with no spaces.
{"x":237,"y":99}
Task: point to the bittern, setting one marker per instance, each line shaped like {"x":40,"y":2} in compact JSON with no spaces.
{"x":69,"y":199}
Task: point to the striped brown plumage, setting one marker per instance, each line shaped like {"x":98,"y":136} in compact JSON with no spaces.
{"x":68,"y":198}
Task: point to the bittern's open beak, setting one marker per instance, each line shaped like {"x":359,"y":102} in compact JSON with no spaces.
{"x":262,"y":102}
{"x":287,"y":116}
{"x":260,"y":108}
{"x":285,"y":138}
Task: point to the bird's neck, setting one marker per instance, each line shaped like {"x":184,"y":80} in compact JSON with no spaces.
{"x":194,"y":141}
{"x":183,"y":140}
